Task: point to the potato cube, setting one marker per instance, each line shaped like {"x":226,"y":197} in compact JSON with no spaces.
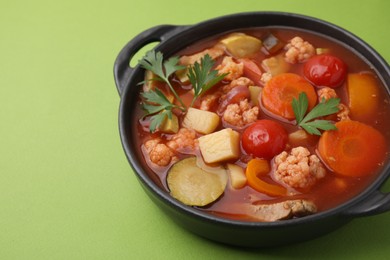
{"x":241,"y":45}
{"x":275,"y":65}
{"x":220,"y":146}
{"x":170,"y":126}
{"x":255,"y":92}
{"x":237,"y":176}
{"x":204,"y":122}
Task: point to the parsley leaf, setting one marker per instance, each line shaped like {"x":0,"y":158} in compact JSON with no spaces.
{"x":202,"y":77}
{"x":153,"y":61}
{"x":324,"y":108}
{"x":157,"y":105}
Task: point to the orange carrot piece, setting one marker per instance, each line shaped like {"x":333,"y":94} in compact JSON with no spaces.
{"x":280,"y":90}
{"x":259,"y":167}
{"x":354,"y":149}
{"x":363,"y":95}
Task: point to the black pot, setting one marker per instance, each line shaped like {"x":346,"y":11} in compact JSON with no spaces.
{"x":252,"y":234}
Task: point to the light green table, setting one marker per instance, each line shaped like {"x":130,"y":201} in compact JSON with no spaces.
{"x":66,"y":189}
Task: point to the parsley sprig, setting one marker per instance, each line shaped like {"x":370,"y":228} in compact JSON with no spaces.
{"x":309,"y":122}
{"x":201,"y":76}
{"x":154,"y":61}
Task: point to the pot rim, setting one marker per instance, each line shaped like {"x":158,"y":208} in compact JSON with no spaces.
{"x":164,"y":196}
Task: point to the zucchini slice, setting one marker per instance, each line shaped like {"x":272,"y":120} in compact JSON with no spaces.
{"x":194,"y":186}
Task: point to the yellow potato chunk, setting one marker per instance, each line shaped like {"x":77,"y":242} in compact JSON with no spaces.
{"x":193,"y":185}
{"x":237,"y":176}
{"x":254,"y":92}
{"x":220,"y":146}
{"x":170,"y":126}
{"x":363,"y":95}
{"x":202,"y":121}
{"x":241,"y":45}
{"x":275,"y":65}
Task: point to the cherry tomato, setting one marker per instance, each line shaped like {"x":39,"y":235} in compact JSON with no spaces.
{"x":264,"y":139}
{"x":325,"y":71}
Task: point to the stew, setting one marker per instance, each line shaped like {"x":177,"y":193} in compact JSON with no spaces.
{"x":263,"y":124}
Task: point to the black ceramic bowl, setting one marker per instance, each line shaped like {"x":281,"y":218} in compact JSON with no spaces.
{"x":252,"y":234}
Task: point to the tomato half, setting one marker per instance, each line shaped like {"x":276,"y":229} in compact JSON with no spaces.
{"x":264,"y":139}
{"x":325,"y":71}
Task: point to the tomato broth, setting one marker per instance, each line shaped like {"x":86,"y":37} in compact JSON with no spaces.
{"x":329,"y":191}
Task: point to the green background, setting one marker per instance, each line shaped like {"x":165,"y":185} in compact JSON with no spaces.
{"x":66,"y":188}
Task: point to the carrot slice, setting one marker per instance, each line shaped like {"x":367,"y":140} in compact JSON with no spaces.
{"x":354,"y":149}
{"x":280,"y":90}
{"x":259,"y":167}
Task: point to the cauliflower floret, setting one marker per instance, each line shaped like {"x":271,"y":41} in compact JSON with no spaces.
{"x":208,"y":101}
{"x":235,"y":70}
{"x":265,"y":77}
{"x":159,"y":153}
{"x":343,"y":113}
{"x":241,"y":81}
{"x":327,"y":93}
{"x":298,"y":50}
{"x":240,"y":114}
{"x":298,"y":169}
{"x":183,"y":141}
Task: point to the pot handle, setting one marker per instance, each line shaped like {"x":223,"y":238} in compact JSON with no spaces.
{"x":378,"y":202}
{"x":122,"y":68}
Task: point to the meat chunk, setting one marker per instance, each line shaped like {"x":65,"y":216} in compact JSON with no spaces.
{"x":234,"y":69}
{"x":282,"y":210}
{"x":240,"y":114}
{"x":328,"y":93}
{"x":298,"y":50}
{"x":159,"y":153}
{"x":298,"y":169}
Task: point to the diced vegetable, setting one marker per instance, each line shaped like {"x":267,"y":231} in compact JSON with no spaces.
{"x":363,"y":95}
{"x":255,"y":92}
{"x":193,"y":185}
{"x":279,"y":92}
{"x":272,"y":44}
{"x":321,"y":51}
{"x":275,"y":65}
{"x":202,"y":121}
{"x":302,"y":138}
{"x":182,"y":75}
{"x":255,"y":169}
{"x":170,"y":126}
{"x":354,"y":149}
{"x":220,"y":146}
{"x":237,"y":176}
{"x":241,"y":45}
